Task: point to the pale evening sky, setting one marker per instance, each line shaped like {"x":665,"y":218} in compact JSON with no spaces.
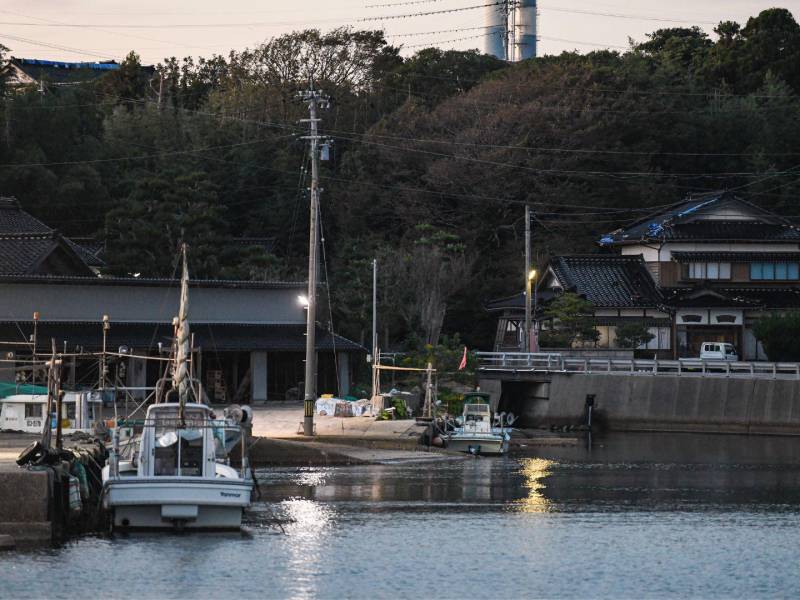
{"x":96,"y":29}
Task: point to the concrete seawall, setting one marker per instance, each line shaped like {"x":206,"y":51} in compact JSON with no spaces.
{"x":668,"y":403}
{"x":25,"y":505}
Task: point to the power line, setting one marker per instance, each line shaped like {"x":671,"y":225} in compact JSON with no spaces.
{"x":432,"y":12}
{"x":55,"y":46}
{"x":97,"y":28}
{"x":598,"y":44}
{"x":409,"y":3}
{"x":132,"y":157}
{"x":579,"y":11}
{"x":420,"y":33}
{"x":565,"y":150}
{"x":460,"y":39}
{"x":561,"y":171}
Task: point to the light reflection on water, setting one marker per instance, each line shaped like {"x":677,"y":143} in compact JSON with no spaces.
{"x":535,"y":470}
{"x":655,"y":516}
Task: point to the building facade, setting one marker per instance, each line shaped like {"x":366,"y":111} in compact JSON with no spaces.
{"x":250,"y":335}
{"x":705,"y":269}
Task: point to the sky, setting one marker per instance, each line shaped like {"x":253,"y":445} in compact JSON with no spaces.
{"x":77,"y":30}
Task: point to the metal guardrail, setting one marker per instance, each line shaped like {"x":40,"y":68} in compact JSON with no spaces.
{"x":541,"y":362}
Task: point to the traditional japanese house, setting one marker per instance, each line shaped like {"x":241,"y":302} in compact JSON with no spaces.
{"x":704,"y":269}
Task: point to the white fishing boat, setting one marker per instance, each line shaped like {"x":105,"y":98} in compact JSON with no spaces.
{"x":80,"y":411}
{"x":177,"y":475}
{"x":176,"y":479}
{"x":474,"y":432}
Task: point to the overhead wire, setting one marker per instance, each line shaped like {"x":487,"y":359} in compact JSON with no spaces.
{"x":450,"y":41}
{"x":431,"y":12}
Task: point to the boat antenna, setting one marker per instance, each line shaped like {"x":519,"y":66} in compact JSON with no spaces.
{"x":180,"y":374}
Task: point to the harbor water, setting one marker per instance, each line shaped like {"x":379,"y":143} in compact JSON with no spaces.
{"x":635,"y":515}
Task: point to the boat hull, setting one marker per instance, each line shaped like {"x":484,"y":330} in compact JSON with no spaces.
{"x":165,"y":503}
{"x":478,"y":444}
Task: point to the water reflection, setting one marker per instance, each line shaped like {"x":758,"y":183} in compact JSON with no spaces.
{"x":476,"y":482}
{"x":641,"y":515}
{"x":310,"y":524}
{"x":534,"y":471}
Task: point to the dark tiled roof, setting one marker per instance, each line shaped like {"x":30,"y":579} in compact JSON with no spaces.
{"x":742,"y":257}
{"x":608,"y":281}
{"x":676,"y":223}
{"x":89,"y":251}
{"x":26,"y":243}
{"x":209,"y":337}
{"x":21,"y":253}
{"x":732,"y":230}
{"x":517,"y":301}
{"x":729,"y":297}
{"x":15,"y":220}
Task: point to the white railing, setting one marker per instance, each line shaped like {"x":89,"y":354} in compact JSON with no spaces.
{"x":543,"y":362}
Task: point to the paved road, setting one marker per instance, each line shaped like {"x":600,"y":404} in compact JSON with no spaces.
{"x":282,"y":420}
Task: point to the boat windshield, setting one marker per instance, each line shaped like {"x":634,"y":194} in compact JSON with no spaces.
{"x":475,"y":412}
{"x":178,"y":451}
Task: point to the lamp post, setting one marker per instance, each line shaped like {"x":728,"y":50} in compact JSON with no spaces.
{"x":531,"y":276}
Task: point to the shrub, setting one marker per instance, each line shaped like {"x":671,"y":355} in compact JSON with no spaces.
{"x":780,"y":336}
{"x":633,"y":335}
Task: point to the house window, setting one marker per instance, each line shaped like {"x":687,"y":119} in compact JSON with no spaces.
{"x":512,"y":336}
{"x":709,"y":270}
{"x":768,"y":271}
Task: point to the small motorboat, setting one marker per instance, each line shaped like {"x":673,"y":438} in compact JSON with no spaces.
{"x":474,"y":432}
{"x":175,"y":479}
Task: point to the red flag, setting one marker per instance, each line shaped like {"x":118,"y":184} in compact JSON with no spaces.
{"x":463,"y":364}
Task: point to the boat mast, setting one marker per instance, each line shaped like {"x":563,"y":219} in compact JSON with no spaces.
{"x":180,"y":375}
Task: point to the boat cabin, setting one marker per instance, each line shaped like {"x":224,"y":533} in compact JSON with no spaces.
{"x":26,"y":412}
{"x":174,"y":448}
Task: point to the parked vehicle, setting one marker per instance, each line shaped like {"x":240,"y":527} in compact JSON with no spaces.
{"x":718,"y":351}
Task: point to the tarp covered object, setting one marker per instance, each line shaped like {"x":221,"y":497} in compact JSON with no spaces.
{"x":11,"y":389}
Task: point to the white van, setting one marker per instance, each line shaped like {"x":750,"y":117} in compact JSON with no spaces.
{"x":718,"y":351}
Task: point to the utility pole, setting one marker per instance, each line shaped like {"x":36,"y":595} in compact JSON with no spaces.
{"x":315,"y":99}
{"x":527,"y":342}
{"x":375,"y":361}
{"x":160,"y":88}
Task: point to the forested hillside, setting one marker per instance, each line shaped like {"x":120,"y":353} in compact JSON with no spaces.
{"x":433,"y":159}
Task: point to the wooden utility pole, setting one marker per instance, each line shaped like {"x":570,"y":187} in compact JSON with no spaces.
{"x":315,"y":99}
{"x":375,"y":359}
{"x":527,"y":341}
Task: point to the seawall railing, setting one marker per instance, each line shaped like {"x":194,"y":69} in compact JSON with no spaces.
{"x":542,"y":362}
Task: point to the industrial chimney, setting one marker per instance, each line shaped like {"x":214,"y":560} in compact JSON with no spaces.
{"x":495,"y":18}
{"x":525,"y":30}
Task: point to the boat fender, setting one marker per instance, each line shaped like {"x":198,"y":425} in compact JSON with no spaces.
{"x":74,"y":495}
{"x":247,"y":414}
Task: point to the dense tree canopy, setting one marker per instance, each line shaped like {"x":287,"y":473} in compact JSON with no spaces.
{"x":210,"y":151}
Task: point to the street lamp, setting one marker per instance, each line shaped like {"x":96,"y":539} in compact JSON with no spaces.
{"x":532,"y":273}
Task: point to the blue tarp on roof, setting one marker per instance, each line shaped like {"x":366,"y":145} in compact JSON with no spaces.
{"x":57,"y":64}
